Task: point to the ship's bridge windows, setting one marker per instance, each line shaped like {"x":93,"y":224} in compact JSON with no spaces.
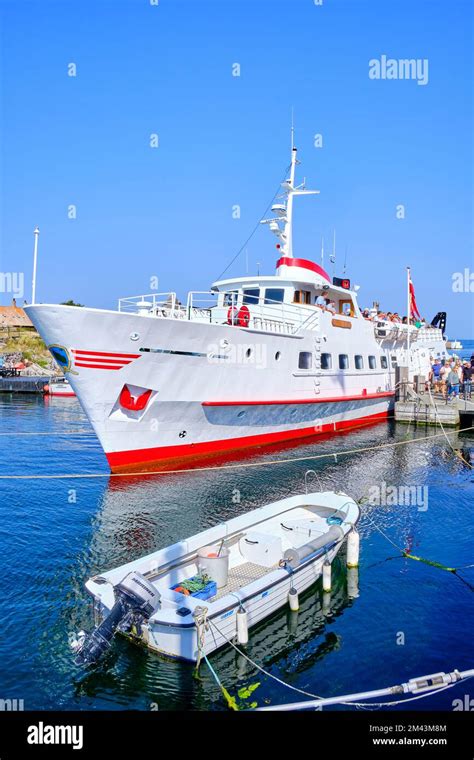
{"x":251,"y":296}
{"x":343,"y":361}
{"x":383,"y":362}
{"x":358,"y":361}
{"x":230,"y":298}
{"x":372,"y":362}
{"x":305,"y":360}
{"x":302,"y":296}
{"x":274,"y":295}
{"x":326,"y":361}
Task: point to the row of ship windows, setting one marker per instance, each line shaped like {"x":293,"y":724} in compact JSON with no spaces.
{"x":305,"y":361}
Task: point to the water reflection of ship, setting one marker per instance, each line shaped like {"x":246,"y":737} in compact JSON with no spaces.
{"x":140,"y":514}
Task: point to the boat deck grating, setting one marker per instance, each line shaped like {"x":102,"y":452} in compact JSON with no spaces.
{"x":242,"y":575}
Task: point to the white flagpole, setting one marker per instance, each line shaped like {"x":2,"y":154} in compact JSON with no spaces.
{"x":35,"y":258}
{"x":408,"y":315}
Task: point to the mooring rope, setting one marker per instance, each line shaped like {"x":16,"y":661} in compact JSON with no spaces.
{"x":231,"y":702}
{"x":52,"y":433}
{"x":362,"y":705}
{"x":240,"y":465}
{"x":259,"y":667}
{"x":407,"y":554}
{"x":442,"y":428}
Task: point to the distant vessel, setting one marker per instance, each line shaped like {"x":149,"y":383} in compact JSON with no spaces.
{"x":249,"y":567}
{"x":257,"y":360}
{"x":454,"y":345}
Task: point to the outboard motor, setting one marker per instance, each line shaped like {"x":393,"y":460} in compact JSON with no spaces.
{"x":136,"y":599}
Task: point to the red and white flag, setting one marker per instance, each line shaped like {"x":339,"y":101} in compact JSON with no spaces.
{"x":413,"y":308}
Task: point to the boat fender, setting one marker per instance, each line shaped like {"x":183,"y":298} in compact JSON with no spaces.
{"x":327,"y":576}
{"x":353,"y":545}
{"x":242,"y":626}
{"x":293,"y":599}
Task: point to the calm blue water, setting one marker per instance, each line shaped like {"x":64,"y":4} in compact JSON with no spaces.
{"x":55,"y":533}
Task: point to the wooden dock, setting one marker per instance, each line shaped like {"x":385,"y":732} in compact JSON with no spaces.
{"x":423,"y":410}
{"x":24,"y":384}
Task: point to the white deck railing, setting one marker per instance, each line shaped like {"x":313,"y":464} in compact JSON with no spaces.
{"x":202,"y":306}
{"x":153,"y":305}
{"x":387,"y":330}
{"x":275,"y":316}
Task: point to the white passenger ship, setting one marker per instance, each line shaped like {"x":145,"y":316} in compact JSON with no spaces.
{"x":254,"y":361}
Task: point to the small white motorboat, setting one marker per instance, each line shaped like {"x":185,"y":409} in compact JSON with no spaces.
{"x":454,"y":345}
{"x":59,"y":386}
{"x":193,"y":597}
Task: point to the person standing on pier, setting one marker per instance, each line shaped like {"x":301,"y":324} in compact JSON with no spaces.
{"x":443,"y":377}
{"x":453,"y":384}
{"x":467,"y":372}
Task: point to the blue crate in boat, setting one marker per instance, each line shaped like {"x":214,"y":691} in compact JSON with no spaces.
{"x":210,"y":589}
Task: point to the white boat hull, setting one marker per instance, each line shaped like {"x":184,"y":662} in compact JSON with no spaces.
{"x":181,"y":643}
{"x":262,"y":569}
{"x":204,"y":396}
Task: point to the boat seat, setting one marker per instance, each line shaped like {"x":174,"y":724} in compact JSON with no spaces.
{"x":262,"y":549}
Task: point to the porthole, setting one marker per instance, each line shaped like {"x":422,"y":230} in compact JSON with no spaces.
{"x":241,"y":414}
{"x":278,"y":356}
{"x":248,"y":353}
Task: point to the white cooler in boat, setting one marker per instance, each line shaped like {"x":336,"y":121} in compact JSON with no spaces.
{"x":261,"y":548}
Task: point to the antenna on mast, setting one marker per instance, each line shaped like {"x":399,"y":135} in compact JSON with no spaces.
{"x":282,"y":224}
{"x":332,"y":257}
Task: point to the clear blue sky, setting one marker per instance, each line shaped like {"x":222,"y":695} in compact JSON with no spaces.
{"x":224,"y":140}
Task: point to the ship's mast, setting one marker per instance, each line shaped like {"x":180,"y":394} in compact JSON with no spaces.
{"x":282,"y":224}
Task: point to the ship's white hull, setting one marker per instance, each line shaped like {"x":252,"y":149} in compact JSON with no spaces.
{"x":195,"y":389}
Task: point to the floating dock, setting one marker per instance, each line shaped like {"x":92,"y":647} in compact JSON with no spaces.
{"x":426,"y":410}
{"x":24,"y":384}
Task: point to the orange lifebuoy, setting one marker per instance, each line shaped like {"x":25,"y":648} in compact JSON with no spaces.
{"x":243,"y":316}
{"x":232,"y":315}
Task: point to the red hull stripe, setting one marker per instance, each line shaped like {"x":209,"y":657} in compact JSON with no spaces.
{"x":101,"y":366}
{"x":104,"y":362}
{"x":140,"y":459}
{"x":84,"y":354}
{"x":304,"y":264}
{"x":331,"y":400}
